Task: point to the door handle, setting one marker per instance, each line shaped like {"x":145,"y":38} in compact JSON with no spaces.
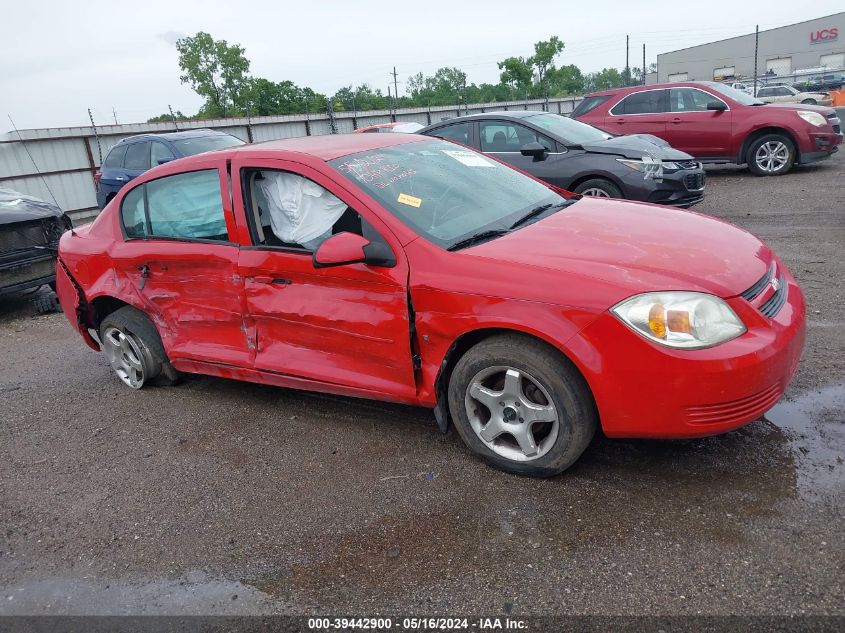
{"x":677,"y":120}
{"x":266,"y":279}
{"x":119,"y":178}
{"x":620,"y":121}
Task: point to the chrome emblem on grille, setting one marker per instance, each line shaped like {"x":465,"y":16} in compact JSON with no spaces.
{"x":775,"y":284}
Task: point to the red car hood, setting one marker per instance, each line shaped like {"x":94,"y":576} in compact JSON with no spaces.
{"x":616,"y":249}
{"x":823,"y":110}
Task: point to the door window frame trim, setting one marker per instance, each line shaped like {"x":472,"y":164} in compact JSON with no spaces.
{"x":169,"y":238}
{"x":557,"y":143}
{"x":669,"y":104}
{"x":636,"y":92}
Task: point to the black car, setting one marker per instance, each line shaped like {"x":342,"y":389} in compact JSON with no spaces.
{"x":29,"y":238}
{"x":581,"y":158}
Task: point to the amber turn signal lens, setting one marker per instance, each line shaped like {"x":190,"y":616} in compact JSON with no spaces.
{"x":657,"y":320}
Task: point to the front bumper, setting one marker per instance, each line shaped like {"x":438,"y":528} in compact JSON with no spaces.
{"x":26,"y":269}
{"x":646,"y":390}
{"x":682,"y":188}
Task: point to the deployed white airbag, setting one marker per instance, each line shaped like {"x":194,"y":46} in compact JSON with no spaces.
{"x":301,"y":211}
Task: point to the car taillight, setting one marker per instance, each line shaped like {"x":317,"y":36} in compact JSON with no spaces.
{"x":97,"y":177}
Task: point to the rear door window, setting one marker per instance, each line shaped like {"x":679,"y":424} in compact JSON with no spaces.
{"x":115,"y":157}
{"x":184,"y":206}
{"x":645,"y":102}
{"x":138,"y":156}
{"x":458,"y":132}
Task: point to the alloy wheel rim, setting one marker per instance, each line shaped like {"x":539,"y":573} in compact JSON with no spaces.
{"x":124,"y":356}
{"x":512,"y":413}
{"x":772,"y":156}
{"x":595,"y":192}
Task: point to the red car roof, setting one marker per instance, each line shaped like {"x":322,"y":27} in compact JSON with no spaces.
{"x":677,"y":84}
{"x":330,"y":146}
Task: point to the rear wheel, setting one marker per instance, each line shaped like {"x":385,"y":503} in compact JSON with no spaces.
{"x":809,"y":101}
{"x":599,"y":188}
{"x":770,"y":155}
{"x":134,"y":350}
{"x":521,"y":406}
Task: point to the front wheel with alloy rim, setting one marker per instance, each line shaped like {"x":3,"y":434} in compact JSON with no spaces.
{"x":598,"y":188}
{"x":521,"y":405}
{"x":771,"y":155}
{"x":134,"y":350}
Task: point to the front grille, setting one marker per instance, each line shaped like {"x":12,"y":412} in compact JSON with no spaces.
{"x":687,"y":164}
{"x":774,"y":303}
{"x":694,"y":182}
{"x":754,"y":291}
{"x":27,"y":272}
{"x":734,"y":411}
{"x":22,"y":235}
{"x":837,"y":129}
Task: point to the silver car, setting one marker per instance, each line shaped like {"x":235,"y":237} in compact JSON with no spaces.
{"x":788,"y":94}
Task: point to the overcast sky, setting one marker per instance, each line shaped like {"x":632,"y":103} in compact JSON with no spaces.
{"x":59,"y":58}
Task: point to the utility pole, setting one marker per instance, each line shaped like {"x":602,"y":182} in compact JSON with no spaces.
{"x":756,"y":47}
{"x":96,"y":136}
{"x":114,"y":114}
{"x":627,"y":65}
{"x":173,"y":116}
{"x":644,"y":63}
{"x":395,"y":84}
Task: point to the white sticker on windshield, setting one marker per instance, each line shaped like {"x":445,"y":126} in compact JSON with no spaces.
{"x":470,"y":159}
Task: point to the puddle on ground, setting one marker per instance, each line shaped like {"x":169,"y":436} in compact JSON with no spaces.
{"x":815,"y":425}
{"x":192,"y":594}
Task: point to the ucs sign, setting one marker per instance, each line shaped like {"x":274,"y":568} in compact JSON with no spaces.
{"x":824,"y":35}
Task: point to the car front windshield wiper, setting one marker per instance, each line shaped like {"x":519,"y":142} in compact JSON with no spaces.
{"x":482,"y":236}
{"x":538,"y":210}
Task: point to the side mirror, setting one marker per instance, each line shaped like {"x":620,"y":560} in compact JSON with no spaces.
{"x":717,"y":105}
{"x":339,"y":249}
{"x":535,"y":149}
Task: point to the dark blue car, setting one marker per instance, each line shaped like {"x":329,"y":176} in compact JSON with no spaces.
{"x":133,"y":156}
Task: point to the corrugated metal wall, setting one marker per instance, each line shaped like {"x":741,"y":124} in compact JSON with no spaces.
{"x":67,"y":158}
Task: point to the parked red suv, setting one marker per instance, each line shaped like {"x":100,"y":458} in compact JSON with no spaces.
{"x":717,"y":123}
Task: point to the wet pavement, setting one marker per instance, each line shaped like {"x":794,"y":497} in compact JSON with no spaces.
{"x":222,"y":497}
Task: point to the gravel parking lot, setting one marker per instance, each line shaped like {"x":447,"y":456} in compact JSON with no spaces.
{"x":223,"y":497}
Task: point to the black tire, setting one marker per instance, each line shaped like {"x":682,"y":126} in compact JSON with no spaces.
{"x":757,"y":143}
{"x":134,"y":323}
{"x":602,"y":184}
{"x":809,"y":101}
{"x":569,"y":393}
{"x":46,"y":302}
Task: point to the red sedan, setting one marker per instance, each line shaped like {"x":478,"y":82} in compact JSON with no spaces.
{"x":404,"y":268}
{"x":717,"y":123}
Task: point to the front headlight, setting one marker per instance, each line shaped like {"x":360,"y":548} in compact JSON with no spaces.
{"x":685,"y":320}
{"x":813,"y":118}
{"x":651,"y":167}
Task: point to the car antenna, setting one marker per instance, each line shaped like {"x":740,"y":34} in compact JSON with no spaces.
{"x":34,"y":164}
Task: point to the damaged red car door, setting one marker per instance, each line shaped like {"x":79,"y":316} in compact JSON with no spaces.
{"x":180,"y":264}
{"x":346,"y":325}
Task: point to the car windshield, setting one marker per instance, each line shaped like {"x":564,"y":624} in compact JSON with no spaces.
{"x":200,"y":144}
{"x":570,"y":131}
{"x":445,"y":192}
{"x":737,"y":95}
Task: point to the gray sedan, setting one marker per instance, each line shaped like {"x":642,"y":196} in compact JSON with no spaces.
{"x":580,"y":158}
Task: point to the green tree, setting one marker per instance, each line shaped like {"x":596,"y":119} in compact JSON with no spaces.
{"x":544,"y":55}
{"x":215,"y":71}
{"x":603,"y":80}
{"x":566,"y":80}
{"x":517,"y":72}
